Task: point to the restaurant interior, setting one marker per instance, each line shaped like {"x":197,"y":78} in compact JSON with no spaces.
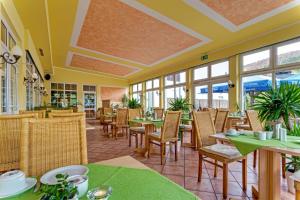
{"x":150,"y":99}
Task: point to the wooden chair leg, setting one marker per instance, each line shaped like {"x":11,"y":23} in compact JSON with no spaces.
{"x":225,"y":180}
{"x":136,"y":141}
{"x":176,"y":151}
{"x":245,"y":173}
{"x":216,"y":169}
{"x":141,"y":139}
{"x":200,"y":167}
{"x":161,"y":153}
{"x":149,"y":146}
{"x":283,"y":164}
{"x":297,"y":189}
{"x":181,"y":137}
{"x":130,"y":139}
{"x":254,"y":158}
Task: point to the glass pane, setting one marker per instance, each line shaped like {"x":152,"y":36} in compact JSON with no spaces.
{"x":60,"y":86}
{"x":289,"y":76}
{"x":169,"y":95}
{"x":220,"y":95}
{"x":134,"y":88}
{"x":4,"y":88}
{"x":149,"y":100}
{"x":252,"y":85}
{"x":220,"y":69}
{"x":156,"y":98}
{"x":11,"y":42}
{"x":180,"y":92}
{"x":149,"y":84}
{"x":140,"y":87}
{"x":258,"y":60}
{"x":3,"y":33}
{"x":13,"y":88}
{"x":289,"y":53}
{"x":86,"y":88}
{"x":136,"y":96}
{"x":156,"y":83}
{"x":200,"y":73}
{"x":169,"y":80}
{"x":180,"y":78}
{"x":54,"y":86}
{"x":201,"y":96}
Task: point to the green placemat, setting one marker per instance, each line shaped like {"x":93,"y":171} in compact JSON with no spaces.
{"x":128,"y":183}
{"x":248,"y":143}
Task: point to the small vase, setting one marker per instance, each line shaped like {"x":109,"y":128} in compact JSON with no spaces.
{"x":291,"y":177}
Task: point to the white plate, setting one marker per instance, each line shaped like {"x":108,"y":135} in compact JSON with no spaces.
{"x":29,"y":183}
{"x":50,"y":179}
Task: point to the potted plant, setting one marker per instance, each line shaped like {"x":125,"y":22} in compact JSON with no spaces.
{"x":63,"y":190}
{"x":134,"y":103}
{"x":279,"y":103}
{"x":125,"y":101}
{"x":292,"y":172}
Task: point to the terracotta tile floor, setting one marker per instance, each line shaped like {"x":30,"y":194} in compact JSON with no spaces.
{"x":183,"y":172}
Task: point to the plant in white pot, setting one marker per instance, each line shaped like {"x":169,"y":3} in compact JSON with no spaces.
{"x":292,"y":172}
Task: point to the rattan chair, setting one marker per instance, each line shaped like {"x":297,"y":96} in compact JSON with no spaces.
{"x":62,"y":111}
{"x":169,"y":134}
{"x":221,"y":119}
{"x":41,"y":113}
{"x":10,"y":140}
{"x":47,"y":144}
{"x":134,"y":129}
{"x":208,"y":148}
{"x":158,"y":112}
{"x":64,"y":115}
{"x":104,"y":120}
{"x":120,"y":123}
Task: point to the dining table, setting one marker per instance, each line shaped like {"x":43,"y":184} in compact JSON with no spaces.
{"x":270,"y":152}
{"x":129,"y":179}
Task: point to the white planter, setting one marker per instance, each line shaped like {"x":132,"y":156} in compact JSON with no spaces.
{"x":74,"y":198}
{"x":291,"y":177}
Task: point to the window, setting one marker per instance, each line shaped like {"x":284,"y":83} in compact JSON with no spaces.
{"x":152,"y":94}
{"x":63,"y":94}
{"x":210,"y":85}
{"x":259,"y":74}
{"x":90,"y":98}
{"x":256,"y":60}
{"x":137,"y":91}
{"x":9,"y":84}
{"x":174,"y":87}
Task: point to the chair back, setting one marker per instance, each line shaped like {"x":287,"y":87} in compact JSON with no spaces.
{"x":63,"y":115}
{"x":134,"y":113}
{"x":122,"y":116}
{"x":255,"y":124}
{"x":41,"y":113}
{"x":171,"y":125}
{"x":159,"y":112}
{"x":47,"y":144}
{"x":62,"y":111}
{"x":204,"y":127}
{"x":212,"y":111}
{"x":10,"y":140}
{"x":107,"y":110}
{"x":221,"y":119}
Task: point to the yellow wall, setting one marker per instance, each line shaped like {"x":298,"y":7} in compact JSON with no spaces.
{"x":64,"y":75}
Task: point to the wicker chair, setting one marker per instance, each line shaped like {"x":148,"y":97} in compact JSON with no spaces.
{"x":159,"y":112}
{"x":121,"y":122}
{"x":169,"y":134}
{"x":41,"y":113}
{"x":10,"y":140}
{"x":64,"y":115}
{"x":221,"y":119}
{"x":47,"y":144}
{"x":208,"y":147}
{"x":104,"y":120}
{"x":62,"y":111}
{"x":135,"y":130}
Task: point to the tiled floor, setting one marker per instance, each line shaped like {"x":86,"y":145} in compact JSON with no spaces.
{"x":183,"y":172}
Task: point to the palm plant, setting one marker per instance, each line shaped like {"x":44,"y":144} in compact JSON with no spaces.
{"x":179,"y":104}
{"x":134,"y":103}
{"x":278,"y":103}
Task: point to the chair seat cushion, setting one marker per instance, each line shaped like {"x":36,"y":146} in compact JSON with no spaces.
{"x":223,"y":150}
{"x":140,"y":129}
{"x":107,"y":121}
{"x":185,"y":127}
{"x":155,"y":135}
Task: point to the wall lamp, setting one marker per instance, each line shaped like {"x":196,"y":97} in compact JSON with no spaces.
{"x":12,"y":58}
{"x":230,"y":84}
{"x":29,"y":80}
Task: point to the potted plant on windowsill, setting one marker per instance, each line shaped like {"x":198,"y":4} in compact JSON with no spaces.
{"x":134,"y":103}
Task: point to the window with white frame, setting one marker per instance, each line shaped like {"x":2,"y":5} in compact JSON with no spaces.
{"x":63,"y":94}
{"x":175,"y":87}
{"x":137,"y":91}
{"x":9,"y":72}
{"x":210,"y":85}
{"x":264,"y":68}
{"x":152,"y":93}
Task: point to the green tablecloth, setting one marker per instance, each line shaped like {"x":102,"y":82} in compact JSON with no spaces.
{"x":128,"y":183}
{"x":248,"y":143}
{"x":156,"y":123}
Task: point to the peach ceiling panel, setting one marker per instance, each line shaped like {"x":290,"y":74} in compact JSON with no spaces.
{"x":112,"y":93}
{"x":241,"y":11}
{"x":117,"y":29}
{"x":89,"y":63}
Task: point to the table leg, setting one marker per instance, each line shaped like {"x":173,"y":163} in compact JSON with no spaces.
{"x":269,"y":175}
{"x":149,"y":128}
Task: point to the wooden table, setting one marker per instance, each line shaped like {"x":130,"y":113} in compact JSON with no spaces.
{"x":269,"y":185}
